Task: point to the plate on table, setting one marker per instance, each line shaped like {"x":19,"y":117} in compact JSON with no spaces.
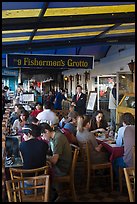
{"x":110,"y":138}
{"x":101,"y":137}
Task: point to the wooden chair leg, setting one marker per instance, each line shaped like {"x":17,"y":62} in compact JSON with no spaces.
{"x":111,"y":175}
{"x":88,"y":180}
{"x":74,"y":196}
{"x":120,"y":179}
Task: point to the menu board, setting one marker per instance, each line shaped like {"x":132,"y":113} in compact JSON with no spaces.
{"x":91,"y":101}
{"x":28,"y":97}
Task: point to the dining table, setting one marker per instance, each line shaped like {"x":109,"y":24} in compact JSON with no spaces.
{"x":110,"y":145}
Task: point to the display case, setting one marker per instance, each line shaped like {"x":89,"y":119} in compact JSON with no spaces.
{"x":127,"y":104}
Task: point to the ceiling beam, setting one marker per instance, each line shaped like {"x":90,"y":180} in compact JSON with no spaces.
{"x":104,"y":32}
{"x":67,"y":21}
{"x":70,"y":43}
{"x":38,"y":21}
{"x":108,"y":29}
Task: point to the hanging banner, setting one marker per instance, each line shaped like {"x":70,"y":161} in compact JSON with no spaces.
{"x":50,"y":61}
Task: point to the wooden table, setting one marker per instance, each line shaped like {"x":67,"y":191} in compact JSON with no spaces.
{"x":114,"y":150}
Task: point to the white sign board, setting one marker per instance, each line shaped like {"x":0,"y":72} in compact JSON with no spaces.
{"x":91,"y":101}
{"x":28,"y":97}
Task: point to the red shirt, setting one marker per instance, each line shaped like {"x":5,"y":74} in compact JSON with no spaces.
{"x":35,"y":112}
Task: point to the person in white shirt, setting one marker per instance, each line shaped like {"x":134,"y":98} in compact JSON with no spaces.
{"x":47,"y":115}
{"x":126,"y":119}
{"x":112,"y":106}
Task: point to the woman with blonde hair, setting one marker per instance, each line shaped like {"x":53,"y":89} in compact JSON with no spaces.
{"x":84,"y":135}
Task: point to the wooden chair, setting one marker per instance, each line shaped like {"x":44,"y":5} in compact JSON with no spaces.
{"x":17,"y":173}
{"x":133,"y":151}
{"x":85,"y":148}
{"x":20,"y":173}
{"x":71,"y":176}
{"x":121,"y":172}
{"x":39,"y":189}
{"x":71,"y":138}
{"x":129,"y":173}
{"x":61,"y":113}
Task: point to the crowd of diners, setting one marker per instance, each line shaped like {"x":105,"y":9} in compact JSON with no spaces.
{"x":46,"y":138}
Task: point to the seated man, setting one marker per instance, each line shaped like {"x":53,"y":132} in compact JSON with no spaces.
{"x":18,"y":108}
{"x":61,"y":157}
{"x":47,"y":115}
{"x":127,"y":139}
{"x":33,"y":150}
{"x":61,"y":150}
{"x":71,"y":123}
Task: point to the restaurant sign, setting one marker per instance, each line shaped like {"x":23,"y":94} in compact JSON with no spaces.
{"x":7,"y":72}
{"x":49,"y":61}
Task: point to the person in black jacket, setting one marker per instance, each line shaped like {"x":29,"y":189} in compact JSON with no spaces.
{"x":79,"y":101}
{"x":33,"y":151}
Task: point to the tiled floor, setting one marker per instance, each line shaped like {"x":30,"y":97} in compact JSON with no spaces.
{"x":99,"y":192}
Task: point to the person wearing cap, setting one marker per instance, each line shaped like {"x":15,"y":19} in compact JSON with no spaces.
{"x":33,"y":151}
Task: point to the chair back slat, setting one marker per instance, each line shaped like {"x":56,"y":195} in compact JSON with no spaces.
{"x":75,"y":152}
{"x":17,"y":194}
{"x":129,"y":173}
{"x":133,"y":151}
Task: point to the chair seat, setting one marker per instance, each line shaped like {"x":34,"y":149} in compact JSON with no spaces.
{"x":101,"y":166}
{"x":69,"y":179}
{"x":62,"y":178}
{"x":91,"y":167}
{"x":38,"y":198}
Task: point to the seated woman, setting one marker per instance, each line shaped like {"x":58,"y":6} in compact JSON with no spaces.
{"x":98,"y":122}
{"x":38,"y":109}
{"x":84,"y":135}
{"x":20,"y":122}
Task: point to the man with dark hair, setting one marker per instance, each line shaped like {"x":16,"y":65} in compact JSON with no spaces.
{"x":61,"y":150}
{"x":127,"y":119}
{"x":18,"y":108}
{"x":33,"y":151}
{"x":126,"y":138}
{"x":79,"y":101}
{"x":48,"y":115}
{"x":61,"y":155}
